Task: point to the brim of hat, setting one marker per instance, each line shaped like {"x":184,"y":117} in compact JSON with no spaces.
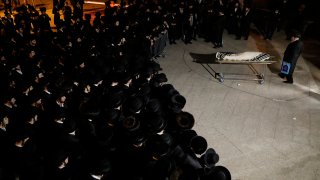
{"x":205,"y":158}
{"x":226,"y":175}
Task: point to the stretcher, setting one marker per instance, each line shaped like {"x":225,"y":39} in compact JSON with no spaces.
{"x":208,"y":60}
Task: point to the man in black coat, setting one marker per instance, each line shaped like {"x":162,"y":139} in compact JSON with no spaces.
{"x":291,"y":56}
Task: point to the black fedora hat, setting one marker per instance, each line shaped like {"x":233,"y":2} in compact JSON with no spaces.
{"x":160,"y":78}
{"x":138,"y":139}
{"x":209,"y":158}
{"x":184,"y":120}
{"x":178,"y":100}
{"x":114,"y":100}
{"x":43,"y":9}
{"x":155,"y":124}
{"x":90,"y":109}
{"x":158,"y":146}
{"x":219,"y":173}
{"x":34,"y":96}
{"x":99,"y":164}
{"x":177,"y":103}
{"x":131,"y":124}
{"x":185,"y":136}
{"x":110,"y":116}
{"x":133,"y":105}
{"x":198,"y":144}
{"x":153,"y":106}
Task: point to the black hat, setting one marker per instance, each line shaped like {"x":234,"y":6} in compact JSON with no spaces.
{"x":295,"y":33}
{"x":160,"y":78}
{"x":198,"y":144}
{"x":29,"y":112}
{"x":87,"y":16}
{"x":153,"y":106}
{"x":7,"y":96}
{"x":145,"y":90}
{"x":209,"y":158}
{"x":167,"y":87}
{"x":155,"y":66}
{"x":59,"y":154}
{"x":115,"y":100}
{"x":132,"y":105}
{"x":131,"y":124}
{"x":104,"y":135}
{"x":186,"y":135}
{"x":138,"y":139}
{"x":3,"y":114}
{"x":178,"y":100}
{"x":162,"y":167}
{"x":97,"y":78}
{"x":177,"y":103}
{"x":99,"y":165}
{"x":147,"y":72}
{"x":90,"y":108}
{"x":219,"y":173}
{"x":66,"y":86}
{"x":34,"y":96}
{"x":59,"y":113}
{"x":189,"y":173}
{"x":43,"y":9}
{"x":125,"y":77}
{"x":167,"y":138}
{"x":23,"y":85}
{"x":70,"y":125}
{"x":155,"y":124}
{"x":111,"y":116}
{"x":185,"y":120}
{"x":20,"y":132}
{"x":159,"y":149}
{"x":171,"y":92}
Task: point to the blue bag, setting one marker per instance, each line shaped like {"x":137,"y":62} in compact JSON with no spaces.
{"x":285,"y":67}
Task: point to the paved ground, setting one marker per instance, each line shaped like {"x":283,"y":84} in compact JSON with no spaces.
{"x":269,"y":131}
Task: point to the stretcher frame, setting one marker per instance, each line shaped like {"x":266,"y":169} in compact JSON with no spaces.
{"x":258,"y":76}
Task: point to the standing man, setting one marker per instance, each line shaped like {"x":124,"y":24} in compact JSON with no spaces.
{"x":44,"y":20}
{"x":246,"y":22}
{"x":290,"y":57}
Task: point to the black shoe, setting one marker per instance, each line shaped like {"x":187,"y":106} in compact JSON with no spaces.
{"x":288,"y":82}
{"x":237,"y":38}
{"x":174,"y":42}
{"x":281,"y":75}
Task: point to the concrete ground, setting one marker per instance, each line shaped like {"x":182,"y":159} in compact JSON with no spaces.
{"x":268,"y":131}
{"x":261,"y":131}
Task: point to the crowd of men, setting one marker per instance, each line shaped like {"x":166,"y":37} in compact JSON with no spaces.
{"x":87,"y":101}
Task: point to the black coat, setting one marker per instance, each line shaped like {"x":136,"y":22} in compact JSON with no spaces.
{"x":292,"y":53}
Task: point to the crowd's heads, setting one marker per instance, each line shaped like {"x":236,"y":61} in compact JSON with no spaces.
{"x":43,"y":9}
